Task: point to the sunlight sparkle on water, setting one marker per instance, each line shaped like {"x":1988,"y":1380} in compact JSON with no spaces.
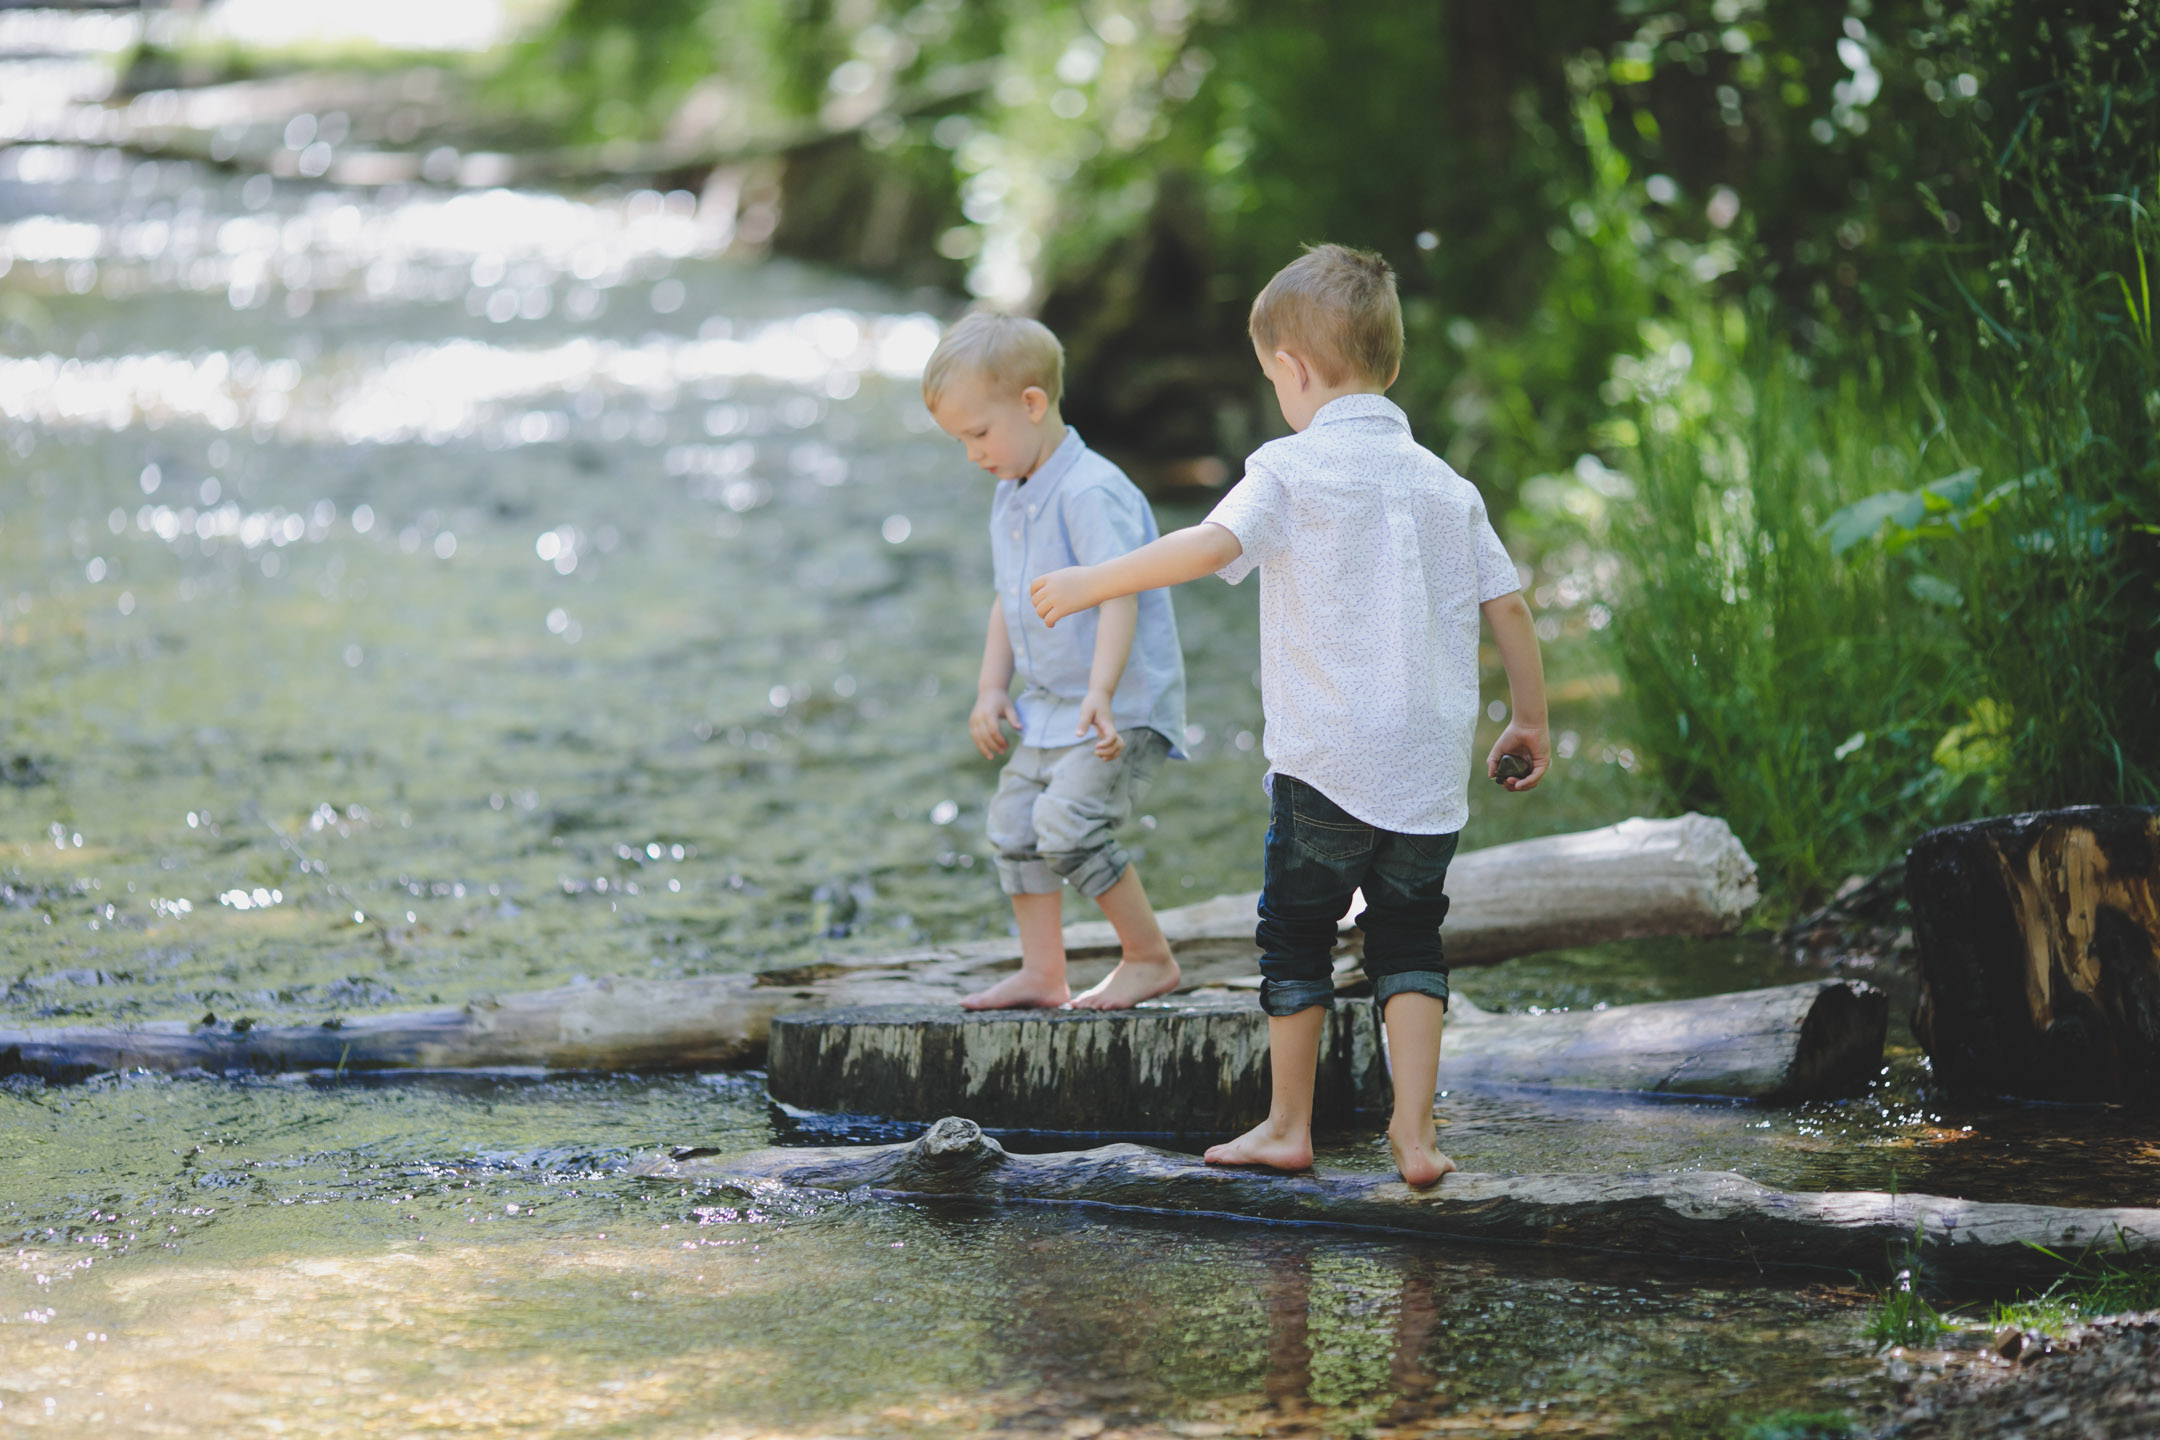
{"x":436,"y":393}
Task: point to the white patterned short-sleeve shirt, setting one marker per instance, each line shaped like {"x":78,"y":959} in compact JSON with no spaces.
{"x":1374,"y":557}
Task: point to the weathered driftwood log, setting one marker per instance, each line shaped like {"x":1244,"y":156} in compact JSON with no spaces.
{"x":1707,"y":1215}
{"x":711,"y":1024}
{"x":2039,"y":954}
{"x":1198,"y":1068}
{"x":1791,"y":1042}
{"x":1682,"y":876}
{"x":1685,"y":876}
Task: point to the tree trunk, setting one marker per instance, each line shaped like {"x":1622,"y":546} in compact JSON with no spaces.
{"x":1685,"y":876}
{"x":2039,"y":954}
{"x":1791,"y":1042}
{"x":1700,"y":1215}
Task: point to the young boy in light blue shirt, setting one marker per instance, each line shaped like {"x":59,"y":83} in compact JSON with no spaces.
{"x":993,"y":384}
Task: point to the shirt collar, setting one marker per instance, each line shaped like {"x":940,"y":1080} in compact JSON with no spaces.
{"x":1035,"y":490}
{"x":1359,"y":407}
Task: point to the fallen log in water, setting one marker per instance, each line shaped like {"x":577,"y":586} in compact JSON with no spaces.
{"x":1198,"y":1065}
{"x":1643,"y":877}
{"x":2038,"y":938}
{"x":1707,"y":1215}
{"x":710,"y":1024}
{"x":1790,"y":1042}
{"x":1689,"y":875}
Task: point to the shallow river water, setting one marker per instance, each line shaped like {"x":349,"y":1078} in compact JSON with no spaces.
{"x":412,"y":594}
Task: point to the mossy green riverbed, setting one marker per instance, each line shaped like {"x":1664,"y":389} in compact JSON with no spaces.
{"x":410,"y":596}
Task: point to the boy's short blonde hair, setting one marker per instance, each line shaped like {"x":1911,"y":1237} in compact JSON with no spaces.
{"x":1009,"y":351}
{"x":1335,"y":308}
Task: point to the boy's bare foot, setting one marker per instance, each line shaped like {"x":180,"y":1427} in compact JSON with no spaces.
{"x":1020,"y":991}
{"x":1418,"y":1158}
{"x":1265,"y":1145}
{"x":1132,"y":982}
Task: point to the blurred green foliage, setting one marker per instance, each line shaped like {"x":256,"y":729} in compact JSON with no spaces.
{"x":1833,"y":321}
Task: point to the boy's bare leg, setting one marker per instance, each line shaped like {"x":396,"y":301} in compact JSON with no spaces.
{"x":1283,"y":1141}
{"x":1146,"y":968}
{"x":1413,"y":1034}
{"x":1040,"y":982}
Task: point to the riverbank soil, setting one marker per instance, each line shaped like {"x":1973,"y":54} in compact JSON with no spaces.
{"x":2095,"y":1382}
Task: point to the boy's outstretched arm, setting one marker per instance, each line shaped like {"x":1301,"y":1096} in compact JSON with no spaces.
{"x":1515,"y":635}
{"x":1180,"y":556}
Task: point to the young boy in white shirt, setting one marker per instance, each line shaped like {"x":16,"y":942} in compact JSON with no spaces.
{"x":993,"y":384}
{"x":1376,"y":560}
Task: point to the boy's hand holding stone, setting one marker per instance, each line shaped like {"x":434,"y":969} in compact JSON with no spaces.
{"x":1519,"y":738}
{"x":1061,"y":593}
{"x":991,"y":708}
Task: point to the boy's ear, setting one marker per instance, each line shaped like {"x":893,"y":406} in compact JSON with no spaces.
{"x":1036,"y":401}
{"x":1295,"y":364}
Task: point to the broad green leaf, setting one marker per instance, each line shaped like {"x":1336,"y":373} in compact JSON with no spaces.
{"x":1862,"y":519}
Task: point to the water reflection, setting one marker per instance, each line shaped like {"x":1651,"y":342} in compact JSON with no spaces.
{"x":350,"y":1256}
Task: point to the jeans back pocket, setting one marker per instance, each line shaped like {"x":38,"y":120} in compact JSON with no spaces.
{"x":1324,"y":829}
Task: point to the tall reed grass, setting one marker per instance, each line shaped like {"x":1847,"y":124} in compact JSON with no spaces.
{"x":1797,"y":693}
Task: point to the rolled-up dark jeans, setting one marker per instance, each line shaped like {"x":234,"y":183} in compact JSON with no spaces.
{"x":1318,"y":854}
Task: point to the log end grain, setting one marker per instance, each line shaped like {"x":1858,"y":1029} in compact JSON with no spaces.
{"x":1841,"y":1043}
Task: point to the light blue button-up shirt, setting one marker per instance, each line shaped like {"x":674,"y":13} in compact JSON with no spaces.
{"x":1079,"y":509}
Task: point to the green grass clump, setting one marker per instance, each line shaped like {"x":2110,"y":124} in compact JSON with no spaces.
{"x":1902,"y":1317}
{"x":2106,"y":1285}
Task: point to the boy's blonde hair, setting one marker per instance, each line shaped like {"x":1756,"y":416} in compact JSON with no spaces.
{"x":1009,"y":351}
{"x":1336,"y":308}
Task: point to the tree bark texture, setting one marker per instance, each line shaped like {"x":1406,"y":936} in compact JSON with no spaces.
{"x":1198,"y":1068}
{"x":2038,"y":939}
{"x":1699,"y":1215}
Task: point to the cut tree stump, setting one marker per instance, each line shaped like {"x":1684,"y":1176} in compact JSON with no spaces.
{"x":1685,"y":876}
{"x":2038,"y":939}
{"x":1198,"y":1068}
{"x":1698,"y":1215}
{"x":1791,"y":1042}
